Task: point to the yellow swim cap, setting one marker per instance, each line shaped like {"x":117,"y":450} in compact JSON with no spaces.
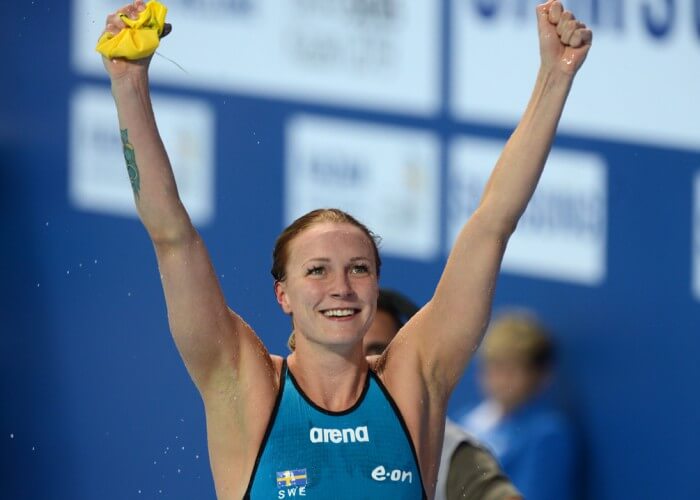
{"x":141,"y":36}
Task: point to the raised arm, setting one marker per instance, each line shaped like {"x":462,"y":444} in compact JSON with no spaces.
{"x":445,"y":333}
{"x":214,"y":342}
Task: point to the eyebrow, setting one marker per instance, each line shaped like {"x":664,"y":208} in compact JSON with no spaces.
{"x":326,"y":259}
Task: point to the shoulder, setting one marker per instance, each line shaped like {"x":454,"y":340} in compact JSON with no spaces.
{"x":474,"y":474}
{"x":277,"y":363}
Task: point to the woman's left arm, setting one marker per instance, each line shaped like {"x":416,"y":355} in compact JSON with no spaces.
{"x":446,"y":332}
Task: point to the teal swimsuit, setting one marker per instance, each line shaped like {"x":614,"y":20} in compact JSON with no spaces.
{"x":364,"y":452}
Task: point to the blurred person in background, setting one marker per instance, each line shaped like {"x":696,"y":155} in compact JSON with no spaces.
{"x":468,"y":471}
{"x":532,"y":439}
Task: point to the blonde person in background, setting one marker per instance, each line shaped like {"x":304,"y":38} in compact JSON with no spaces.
{"x":530,"y":436}
{"x":468,"y":471}
{"x":323,"y":422}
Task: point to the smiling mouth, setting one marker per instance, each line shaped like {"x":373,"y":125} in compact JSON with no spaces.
{"x":340,"y":313}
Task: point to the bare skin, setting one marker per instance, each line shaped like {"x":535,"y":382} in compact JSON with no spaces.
{"x":235,"y":374}
{"x":380,"y":334}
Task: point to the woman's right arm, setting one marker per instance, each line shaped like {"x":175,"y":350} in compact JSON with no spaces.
{"x":220,"y":350}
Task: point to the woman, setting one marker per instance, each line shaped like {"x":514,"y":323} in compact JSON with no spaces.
{"x":323,"y":423}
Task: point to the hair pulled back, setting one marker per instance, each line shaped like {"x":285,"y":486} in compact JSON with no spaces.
{"x":280,"y":254}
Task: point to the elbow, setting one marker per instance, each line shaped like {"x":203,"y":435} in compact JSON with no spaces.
{"x":167,"y":227}
{"x":498,"y":223}
{"x":169,"y":235}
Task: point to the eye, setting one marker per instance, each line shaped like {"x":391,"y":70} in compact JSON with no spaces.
{"x":315,"y":271}
{"x":360,"y":269}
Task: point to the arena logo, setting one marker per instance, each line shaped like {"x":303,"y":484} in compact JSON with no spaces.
{"x":337,"y":436}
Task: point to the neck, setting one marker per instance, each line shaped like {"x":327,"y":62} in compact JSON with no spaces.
{"x":332,"y":380}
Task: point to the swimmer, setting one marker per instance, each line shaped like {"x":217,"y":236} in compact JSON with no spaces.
{"x":324,"y":422}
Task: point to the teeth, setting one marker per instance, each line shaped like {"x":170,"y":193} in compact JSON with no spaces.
{"x":339,"y":312}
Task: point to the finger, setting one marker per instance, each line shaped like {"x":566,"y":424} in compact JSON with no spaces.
{"x":111,"y":28}
{"x":580,"y":37}
{"x":564,"y":22}
{"x":555,"y":11}
{"x":114,"y":23}
{"x":568,"y":31}
{"x":130,"y":11}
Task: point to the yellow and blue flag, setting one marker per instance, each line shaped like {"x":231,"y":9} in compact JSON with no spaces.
{"x":295,"y":477}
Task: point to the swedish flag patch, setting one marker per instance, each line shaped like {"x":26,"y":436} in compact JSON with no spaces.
{"x":287,"y":478}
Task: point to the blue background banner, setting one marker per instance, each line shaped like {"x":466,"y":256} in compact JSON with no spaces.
{"x":96,"y":403}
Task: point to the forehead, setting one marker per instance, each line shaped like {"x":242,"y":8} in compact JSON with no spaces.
{"x":331,"y":239}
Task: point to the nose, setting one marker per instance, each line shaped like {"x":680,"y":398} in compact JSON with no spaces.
{"x":342,"y":287}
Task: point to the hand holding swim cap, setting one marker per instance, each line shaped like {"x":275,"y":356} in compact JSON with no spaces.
{"x":134,"y":31}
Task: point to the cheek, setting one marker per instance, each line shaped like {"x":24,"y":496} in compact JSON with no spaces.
{"x":304,"y":295}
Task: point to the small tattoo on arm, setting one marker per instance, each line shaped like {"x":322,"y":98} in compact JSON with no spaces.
{"x":131,"y":167}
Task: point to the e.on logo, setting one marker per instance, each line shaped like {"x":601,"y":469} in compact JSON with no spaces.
{"x":397,"y":476}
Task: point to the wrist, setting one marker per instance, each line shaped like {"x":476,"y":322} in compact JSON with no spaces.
{"x":130,"y":83}
{"x":553,"y":79}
